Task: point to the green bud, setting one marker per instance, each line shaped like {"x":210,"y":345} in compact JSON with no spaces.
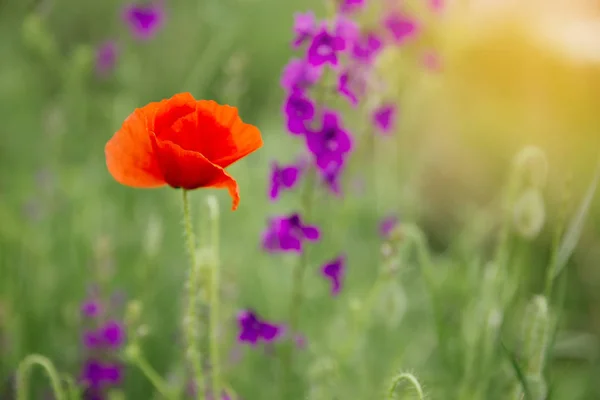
{"x":529,"y":213}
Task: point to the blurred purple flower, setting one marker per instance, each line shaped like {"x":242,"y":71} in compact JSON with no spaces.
{"x":331,"y":143}
{"x":92,"y":340}
{"x":344,"y":88}
{"x":331,"y":175}
{"x":366,"y":47}
{"x":96,"y":374}
{"x":106,"y":57}
{"x":347,"y":30}
{"x":252,"y":329}
{"x":91,"y":308}
{"x":144,"y":20}
{"x":324,"y":48}
{"x":401,"y":27}
{"x":348,"y":6}
{"x":113,"y":334}
{"x":299,"y":75}
{"x":384,"y":117}
{"x":283,"y":177}
{"x":298,"y":109}
{"x":387,"y":225}
{"x":305,"y":27}
{"x":286,"y":234}
{"x":334,"y":271}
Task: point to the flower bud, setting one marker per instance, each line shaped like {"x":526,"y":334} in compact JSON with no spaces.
{"x":529,"y":213}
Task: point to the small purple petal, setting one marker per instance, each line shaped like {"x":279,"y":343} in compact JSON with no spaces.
{"x":106,"y":58}
{"x":305,"y":26}
{"x":334,"y":271}
{"x":269,"y":332}
{"x":91,"y":308}
{"x":348,"y":6}
{"x":324,"y":49}
{"x":384,"y":118}
{"x":113,"y":334}
{"x":144,"y":20}
{"x":387,"y":225}
{"x":401,"y":27}
{"x":311,"y":233}
{"x":299,"y":74}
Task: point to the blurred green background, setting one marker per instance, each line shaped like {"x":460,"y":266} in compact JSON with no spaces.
{"x":66,"y":225}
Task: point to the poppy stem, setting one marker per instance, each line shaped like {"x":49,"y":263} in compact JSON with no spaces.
{"x":215,"y":361}
{"x":192,"y":317}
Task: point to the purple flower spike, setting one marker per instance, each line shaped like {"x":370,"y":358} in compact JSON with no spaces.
{"x":367,"y":47}
{"x":283,"y":177}
{"x":401,"y":27}
{"x":144,"y":20}
{"x":299,"y":110}
{"x":348,"y":6}
{"x":106,"y":58}
{"x":384,"y":118}
{"x":113,"y":334}
{"x":252,"y":329}
{"x":334,"y":271}
{"x":331,"y":143}
{"x":305,"y":27}
{"x":345,"y":90}
{"x":91,"y":308}
{"x":387,"y":225}
{"x":286,"y":234}
{"x":299,"y":75}
{"x":324,"y":49}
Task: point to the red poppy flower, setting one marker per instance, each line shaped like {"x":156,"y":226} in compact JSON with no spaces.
{"x":181,"y":142}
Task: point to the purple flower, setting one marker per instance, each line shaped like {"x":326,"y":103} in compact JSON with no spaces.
{"x":348,"y":6}
{"x":344,"y":88}
{"x":384,"y":118}
{"x":113,"y":334}
{"x":287,"y":234}
{"x":347,"y":30}
{"x":113,"y":373}
{"x":283,"y":177}
{"x":252,"y":329}
{"x":334,"y":271}
{"x":144,"y":20}
{"x":91,"y":308}
{"x":331,"y":143}
{"x":387,"y":225}
{"x":366,"y":47}
{"x":92,"y":340}
{"x":106,"y":57}
{"x":299,"y":110}
{"x":93,"y":373}
{"x":299,"y":74}
{"x":305,"y":27}
{"x":324,"y":48}
{"x":401,"y":27}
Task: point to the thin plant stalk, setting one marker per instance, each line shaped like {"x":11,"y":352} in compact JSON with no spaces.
{"x":23,"y":376}
{"x":193,"y":352}
{"x":137,"y":359}
{"x":214,"y":299}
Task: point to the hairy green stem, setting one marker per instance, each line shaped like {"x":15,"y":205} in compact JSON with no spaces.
{"x":136,"y":358}
{"x":298,"y":281}
{"x":193,"y":352}
{"x":214,"y":300}
{"x":23,"y":376}
{"x":410,"y":378}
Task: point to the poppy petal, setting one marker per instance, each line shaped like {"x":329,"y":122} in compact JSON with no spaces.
{"x":129,"y":154}
{"x":229,"y":138}
{"x":191,"y":170}
{"x":166,"y":112}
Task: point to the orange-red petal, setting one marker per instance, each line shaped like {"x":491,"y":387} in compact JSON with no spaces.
{"x":129,"y":154}
{"x":191,"y":170}
{"x":227,"y":138}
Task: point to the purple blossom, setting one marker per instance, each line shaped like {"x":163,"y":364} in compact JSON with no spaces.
{"x":334,"y":271}
{"x":331,"y":143}
{"x":344,"y":88}
{"x":348,"y":6}
{"x":299,"y":110}
{"x":286,"y":234}
{"x":91,"y":308}
{"x":283,"y":177}
{"x":347,"y":30}
{"x":384,"y":118}
{"x":324,"y":48}
{"x":106,"y":57}
{"x":113,"y":334}
{"x":401,"y":27}
{"x":305,"y":27}
{"x":366,"y":47}
{"x":252,"y":329}
{"x":96,"y":374}
{"x":144,"y":20}
{"x":387,"y":226}
{"x":299,"y":74}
